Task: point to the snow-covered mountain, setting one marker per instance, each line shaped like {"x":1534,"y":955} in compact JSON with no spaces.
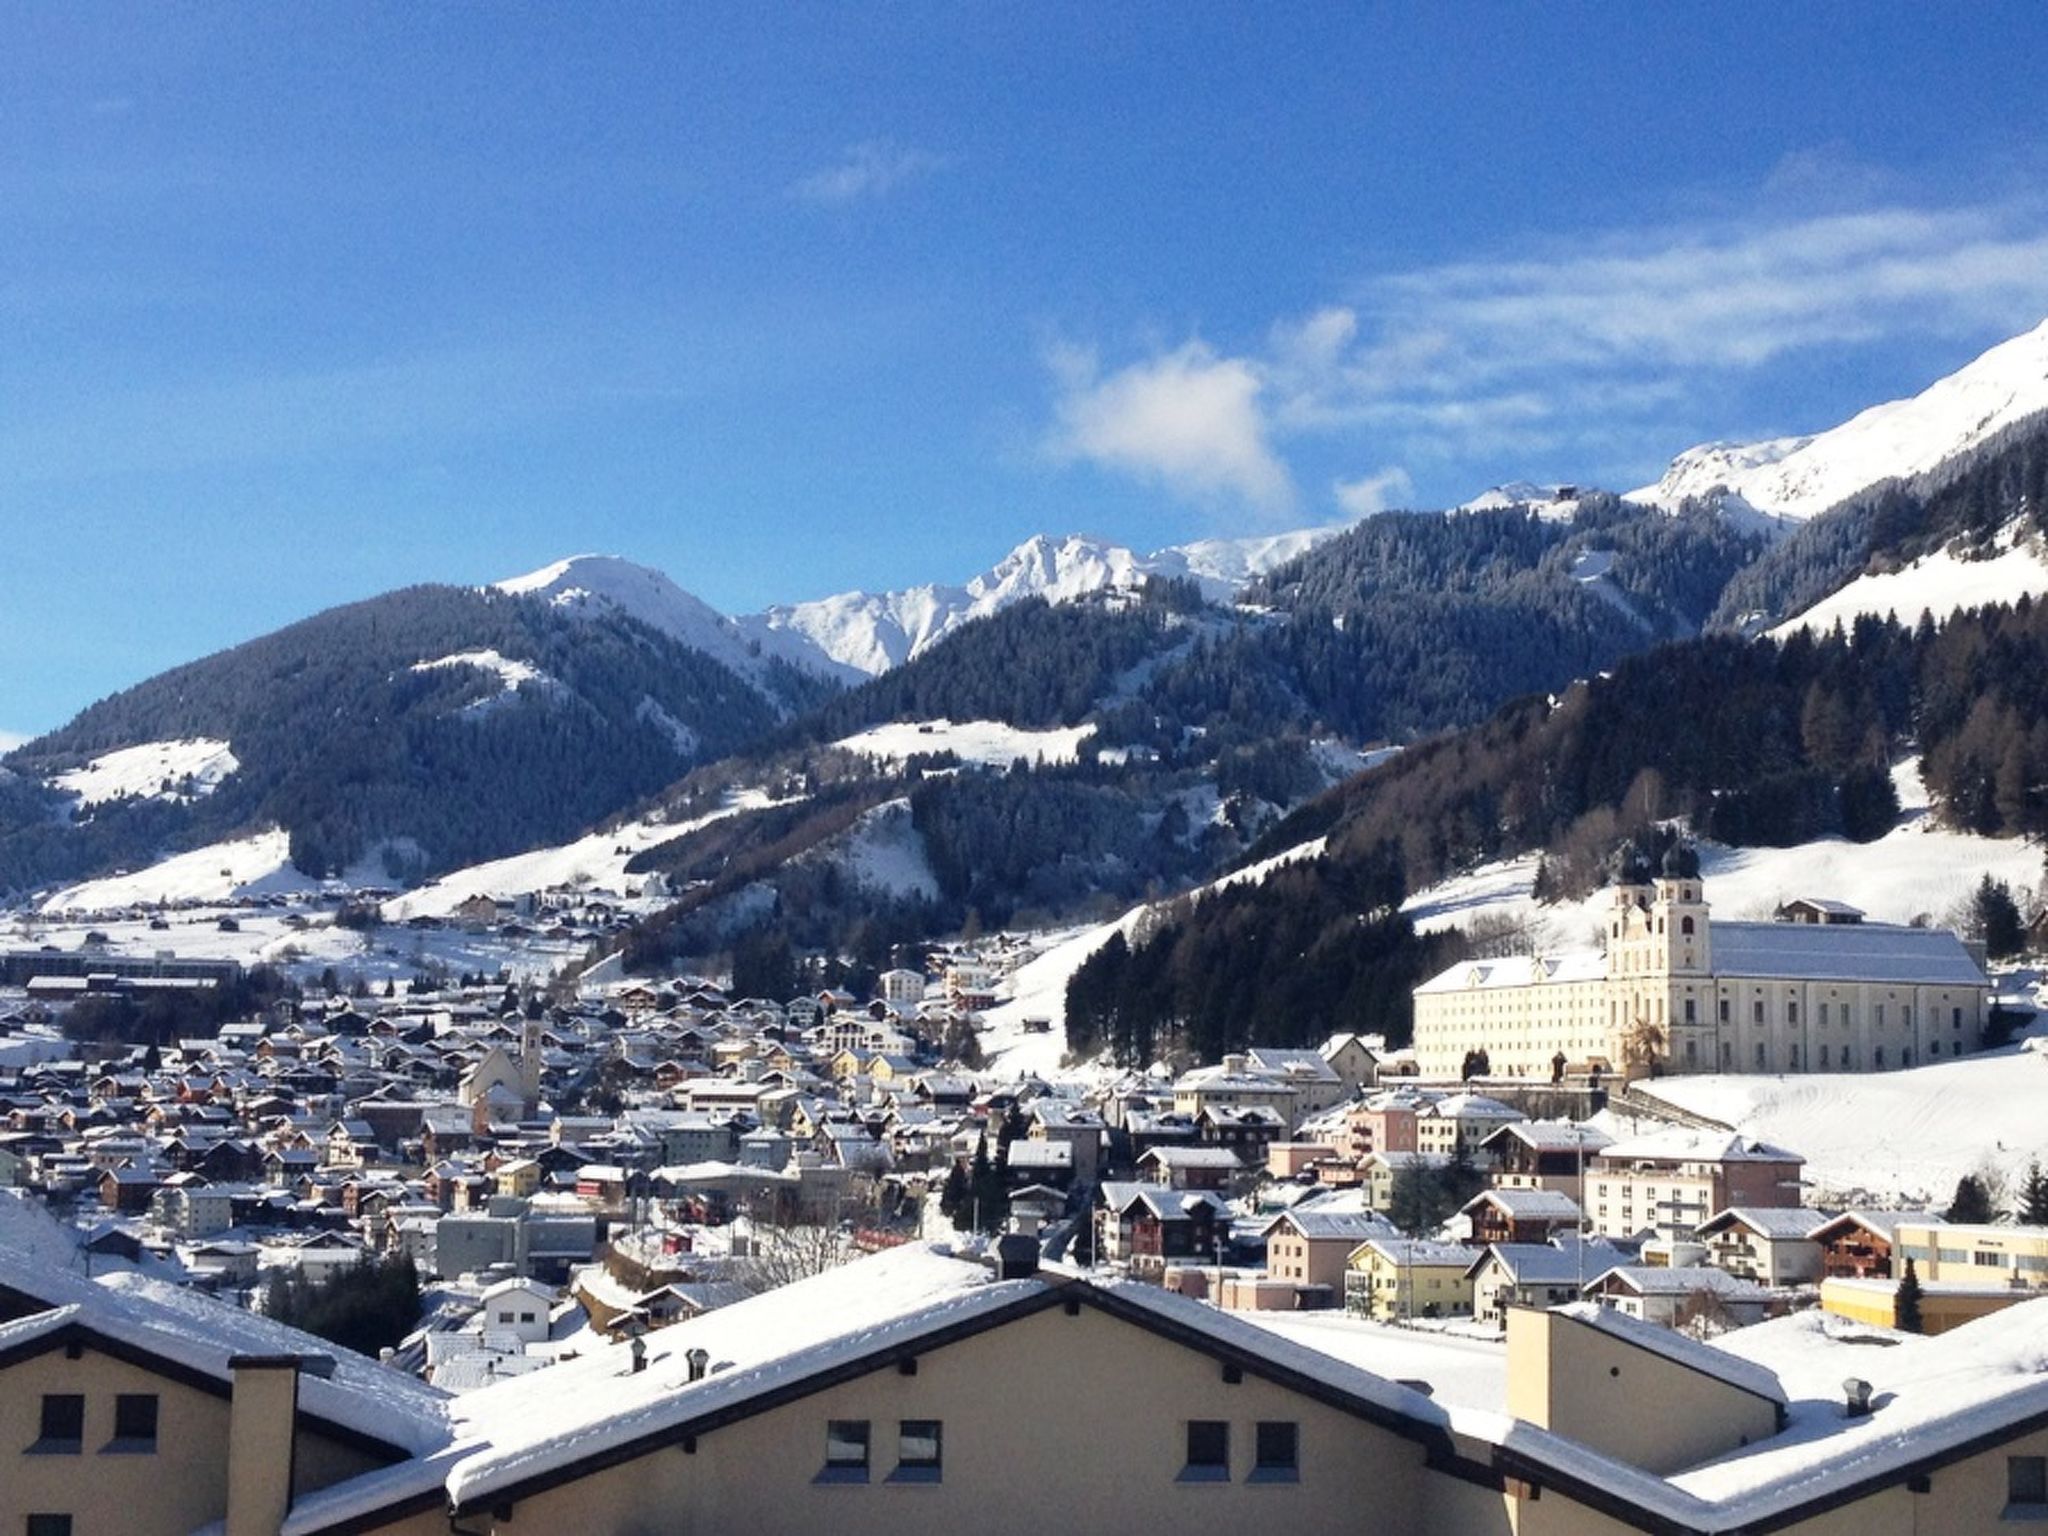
{"x":597,"y":583}
{"x":873,"y":632}
{"x":1795,"y":478}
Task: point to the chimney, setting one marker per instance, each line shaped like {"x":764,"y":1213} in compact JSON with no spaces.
{"x":1857,"y":1392}
{"x":1016,"y":1256}
{"x":262,"y":1422}
{"x":699,"y":1362}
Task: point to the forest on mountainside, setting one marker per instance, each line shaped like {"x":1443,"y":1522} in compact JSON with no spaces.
{"x":345,"y":744}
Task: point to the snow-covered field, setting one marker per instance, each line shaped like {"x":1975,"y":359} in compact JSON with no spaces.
{"x":1917,"y":869}
{"x":167,"y":770}
{"x":596,"y":861}
{"x":511,"y":674}
{"x":248,"y":866}
{"x":1940,"y":584}
{"x":302,"y":940}
{"x":1893,"y":1137}
{"x":989,"y":743}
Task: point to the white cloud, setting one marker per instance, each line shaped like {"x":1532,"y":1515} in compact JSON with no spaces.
{"x":1189,"y":419}
{"x":1374,"y":493}
{"x":867,"y":170}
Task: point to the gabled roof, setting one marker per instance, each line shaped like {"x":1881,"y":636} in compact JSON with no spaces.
{"x":1881,"y":952}
{"x":1782,"y":1224}
{"x":1884,"y":1224}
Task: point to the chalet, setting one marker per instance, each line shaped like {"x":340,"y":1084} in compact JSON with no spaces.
{"x":1542,"y":1154}
{"x":1773,"y":1246}
{"x":1668,"y":1295}
{"x":1143,"y":1226}
{"x":1857,"y":1245}
{"x":1521,"y":1216}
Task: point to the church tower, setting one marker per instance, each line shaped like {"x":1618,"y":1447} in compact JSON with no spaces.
{"x":529,"y":1063}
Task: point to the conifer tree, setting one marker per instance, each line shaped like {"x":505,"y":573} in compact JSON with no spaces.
{"x":1972,"y":1203}
{"x":2034,"y":1197}
{"x":1906,"y":1303}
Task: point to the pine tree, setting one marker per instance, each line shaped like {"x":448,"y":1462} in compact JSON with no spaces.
{"x":2034,"y":1197}
{"x":1972,"y":1203}
{"x":1906,"y":1303}
{"x":954,"y":1194}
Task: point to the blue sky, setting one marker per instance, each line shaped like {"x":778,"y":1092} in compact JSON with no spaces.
{"x":302,"y":303}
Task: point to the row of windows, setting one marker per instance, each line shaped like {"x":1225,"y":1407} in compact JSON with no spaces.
{"x":1276,"y":1447}
{"x":62,"y":1429}
{"x":920,"y":1451}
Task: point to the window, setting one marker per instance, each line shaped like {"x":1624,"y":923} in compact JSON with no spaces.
{"x":917,"y":1451}
{"x":1208,"y":1452}
{"x":63,"y":1428}
{"x":1278,"y":1443}
{"x":1823,"y":1052}
{"x":1685,"y":926}
{"x":134,"y":1422}
{"x":1759,"y":1051}
{"x":1823,"y":1015}
{"x":1757,"y":1011}
{"x":2026,"y":1482}
{"x":1791,"y":1013}
{"x":49,"y":1525}
{"x":1724,"y":1010}
{"x":1691,"y":1012}
{"x":846,"y":1451}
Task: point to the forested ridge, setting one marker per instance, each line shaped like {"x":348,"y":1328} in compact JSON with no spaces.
{"x":345,"y":744}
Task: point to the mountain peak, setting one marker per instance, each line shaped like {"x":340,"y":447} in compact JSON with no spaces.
{"x":1794,"y":478}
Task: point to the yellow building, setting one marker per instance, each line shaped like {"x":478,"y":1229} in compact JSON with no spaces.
{"x":1819,"y":990}
{"x":924,"y":1390}
{"x":1392,"y":1278}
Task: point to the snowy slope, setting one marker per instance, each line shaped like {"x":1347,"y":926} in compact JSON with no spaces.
{"x":1896,"y":1137}
{"x":1793,"y":478}
{"x":157,"y":770}
{"x":876,"y":631}
{"x":597,"y":583}
{"x":1916,"y":869}
{"x":1038,"y":990}
{"x":1940,"y":584}
{"x":1552,"y":503}
{"x":597,"y":861}
{"x":246,"y":866}
{"x":989,"y":743}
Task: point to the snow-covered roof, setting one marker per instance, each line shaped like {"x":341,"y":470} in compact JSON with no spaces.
{"x":1675,"y":1346}
{"x":1315,"y":1224}
{"x":1787,"y":1223}
{"x":1521,"y":971}
{"x":1529,"y":1204}
{"x":199,"y":1334}
{"x":1675,"y":1280}
{"x":1679,"y":1145}
{"x":1872,"y":952}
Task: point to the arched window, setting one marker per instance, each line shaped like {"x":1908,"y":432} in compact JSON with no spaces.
{"x":1685,"y":926}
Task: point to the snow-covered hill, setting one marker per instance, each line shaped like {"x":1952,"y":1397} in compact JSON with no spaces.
{"x":873,"y":632}
{"x":1794,"y":478}
{"x":1918,"y":869}
{"x":1939,"y":585}
{"x":596,"y":583}
{"x":156,"y":770}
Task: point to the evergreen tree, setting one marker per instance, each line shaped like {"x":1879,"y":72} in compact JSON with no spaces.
{"x":953,"y":1193}
{"x":2034,"y":1197}
{"x":1995,"y":918}
{"x":1906,"y":1303}
{"x":1972,"y":1203}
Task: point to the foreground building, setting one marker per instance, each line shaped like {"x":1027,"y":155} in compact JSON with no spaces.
{"x":927,"y":1390}
{"x":1819,"y":990}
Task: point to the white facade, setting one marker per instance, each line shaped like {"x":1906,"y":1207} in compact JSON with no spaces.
{"x":1677,"y":992}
